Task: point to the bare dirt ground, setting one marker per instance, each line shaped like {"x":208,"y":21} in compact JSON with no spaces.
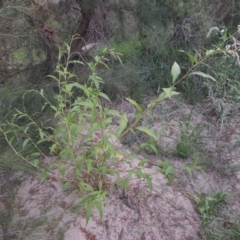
{"x":168,"y":212}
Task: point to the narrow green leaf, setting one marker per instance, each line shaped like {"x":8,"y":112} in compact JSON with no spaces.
{"x":53,"y":77}
{"x":204,"y":75}
{"x":189,"y":170}
{"x":65,"y":186}
{"x":67,"y":152}
{"x":149,"y":105}
{"x":77,"y":85}
{"x":73,"y":129}
{"x":103,"y":95}
{"x":148,"y":131}
{"x":139,"y":173}
{"x":191,"y":57}
{"x":63,"y":169}
{"x":36,"y":154}
{"x":36,"y":162}
{"x":18,"y":111}
{"x":153,"y":148}
{"x":41,"y":141}
{"x":76,"y":61}
{"x":196,"y":198}
{"x":83,"y":103}
{"x":54,"y":108}
{"x":104,"y":64}
{"x":112,"y":112}
{"x":95,"y":126}
{"x":89,"y":165}
{"x":78,"y":170}
{"x":74,"y":191}
{"x":21,"y":116}
{"x":11,"y":139}
{"x":130,"y":172}
{"x":139,"y":109}
{"x":170,"y":179}
{"x":149,"y":182}
{"x":124,"y":183}
{"x":141,"y":163}
{"x":41,"y":133}
{"x":99,"y":207}
{"x":138,"y":115}
{"x":26,"y":129}
{"x":106,"y":122}
{"x":25,"y":143}
{"x":43,"y":177}
{"x":89,"y":212}
{"x":169,"y":170}
{"x":122,"y":124}
{"x":175,"y":71}
{"x":43,"y":107}
{"x":95,"y":79}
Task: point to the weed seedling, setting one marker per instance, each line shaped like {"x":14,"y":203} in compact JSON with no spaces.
{"x":166,"y":168}
{"x":208,"y":204}
{"x":189,"y":137}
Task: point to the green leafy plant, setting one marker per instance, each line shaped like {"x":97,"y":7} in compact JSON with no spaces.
{"x":166,"y":168}
{"x":189,"y":137}
{"x":81,"y":136}
{"x":227,"y":230}
{"x":72,"y":118}
{"x":190,"y":168}
{"x":150,"y":147}
{"x":222,"y":61}
{"x":208,"y":204}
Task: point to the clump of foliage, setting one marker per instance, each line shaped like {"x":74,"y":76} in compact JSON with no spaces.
{"x":190,"y":136}
{"x":77,"y":120}
{"x":208,"y":204}
{"x":82,"y":133}
{"x":216,"y":225}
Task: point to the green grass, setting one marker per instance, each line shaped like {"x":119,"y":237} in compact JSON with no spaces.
{"x":208,"y":204}
{"x":190,"y":137}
